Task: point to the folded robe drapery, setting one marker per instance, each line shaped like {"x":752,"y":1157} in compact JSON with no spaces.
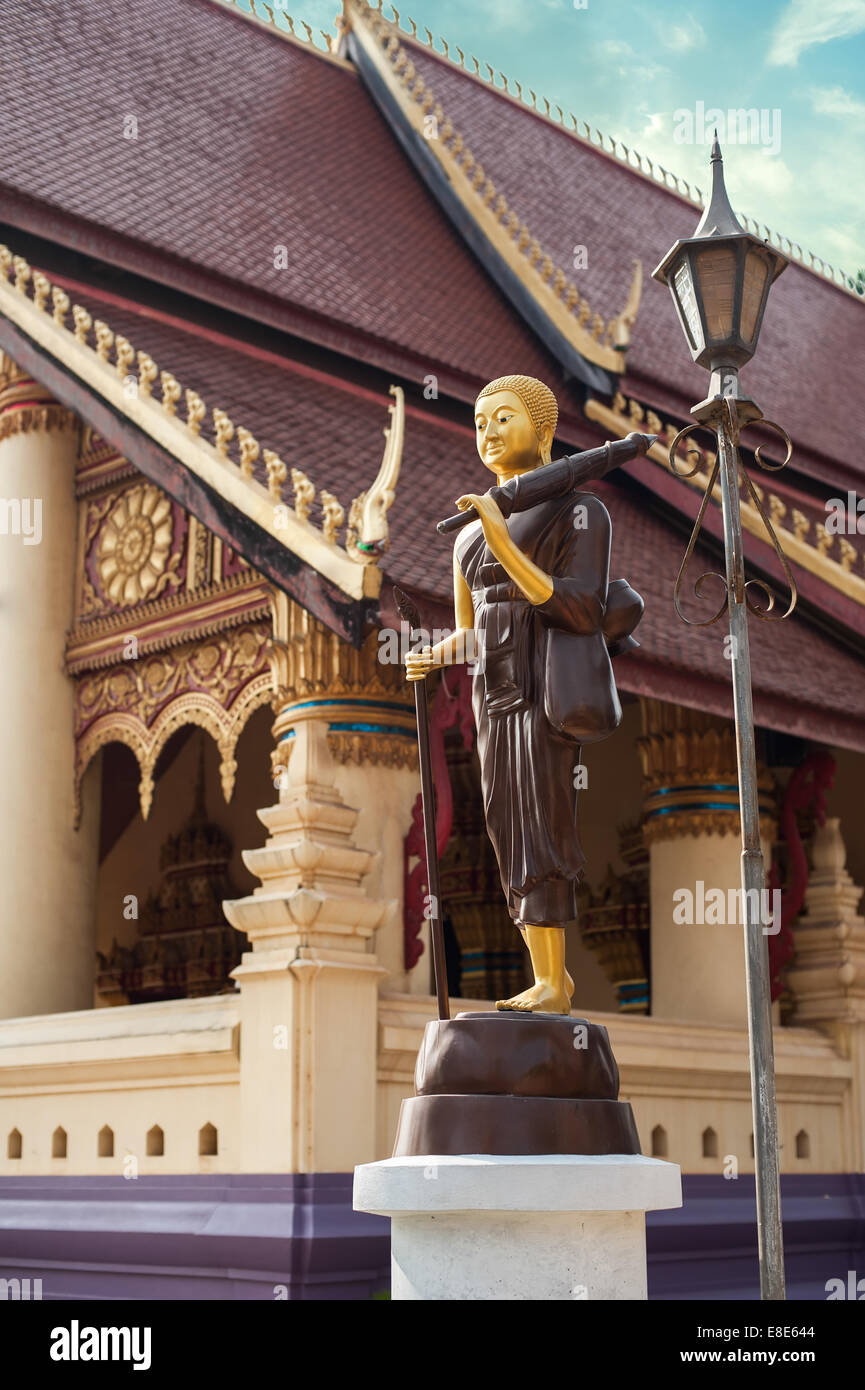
{"x":537,"y":692}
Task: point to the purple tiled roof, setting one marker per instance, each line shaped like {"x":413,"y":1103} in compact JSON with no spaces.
{"x":246,"y":143}
{"x":339,"y":429}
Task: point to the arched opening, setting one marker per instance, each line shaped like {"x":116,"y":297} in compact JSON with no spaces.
{"x":207,"y":1141}
{"x":155,"y":1142}
{"x":659,"y":1142}
{"x":58,"y":1143}
{"x":803,"y":1144}
{"x":13,"y":1144}
{"x":105,"y":1142}
{"x":710,"y":1143}
{"x":161,"y":930}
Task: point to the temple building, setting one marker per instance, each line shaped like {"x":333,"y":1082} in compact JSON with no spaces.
{"x":251,"y":281}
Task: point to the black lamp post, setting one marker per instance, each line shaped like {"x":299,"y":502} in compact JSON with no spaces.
{"x":719,"y":279}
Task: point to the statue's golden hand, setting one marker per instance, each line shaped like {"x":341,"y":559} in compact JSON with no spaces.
{"x":495,"y":528}
{"x":532,"y":581}
{"x":419,"y":664}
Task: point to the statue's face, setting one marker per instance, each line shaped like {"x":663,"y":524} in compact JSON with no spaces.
{"x":504,"y":433}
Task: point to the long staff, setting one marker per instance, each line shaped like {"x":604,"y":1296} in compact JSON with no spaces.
{"x":408,"y":612}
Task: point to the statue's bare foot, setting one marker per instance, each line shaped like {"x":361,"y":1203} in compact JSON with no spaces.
{"x":541,"y":998}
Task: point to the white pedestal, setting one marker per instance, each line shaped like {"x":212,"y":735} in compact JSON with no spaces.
{"x":494,"y":1227}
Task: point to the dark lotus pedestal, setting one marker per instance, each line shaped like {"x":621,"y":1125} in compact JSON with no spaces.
{"x":514,"y":1083}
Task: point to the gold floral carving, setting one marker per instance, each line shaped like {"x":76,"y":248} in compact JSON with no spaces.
{"x":311,"y":663}
{"x":216,"y":684}
{"x":380,"y":750}
{"x":310,"y":660}
{"x":26,"y":405}
{"x":133,"y":553}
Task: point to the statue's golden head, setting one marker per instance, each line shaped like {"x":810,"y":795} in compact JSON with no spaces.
{"x":515,"y":421}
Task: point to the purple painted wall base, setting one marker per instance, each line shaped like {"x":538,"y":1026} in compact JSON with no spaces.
{"x":245,"y":1236}
{"x":196,"y":1237}
{"x":707,"y":1248}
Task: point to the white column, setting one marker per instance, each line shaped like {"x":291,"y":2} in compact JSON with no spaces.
{"x":309,"y":986}
{"x":691,"y":824}
{"x":47,"y":868}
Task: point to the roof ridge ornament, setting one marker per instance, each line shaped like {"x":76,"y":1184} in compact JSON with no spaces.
{"x":644,"y":165}
{"x":806,"y":540}
{"x":599,"y":341}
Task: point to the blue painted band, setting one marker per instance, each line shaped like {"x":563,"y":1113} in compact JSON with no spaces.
{"x":389,"y":705}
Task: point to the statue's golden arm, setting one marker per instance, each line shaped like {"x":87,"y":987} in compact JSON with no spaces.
{"x":533,"y":582}
{"x":459,"y":646}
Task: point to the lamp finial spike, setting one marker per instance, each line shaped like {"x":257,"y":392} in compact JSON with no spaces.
{"x":718,"y":219}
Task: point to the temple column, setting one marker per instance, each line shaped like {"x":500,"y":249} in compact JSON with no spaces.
{"x":325,"y":927}
{"x":691,"y":825}
{"x":47,"y":868}
{"x":827,"y":974}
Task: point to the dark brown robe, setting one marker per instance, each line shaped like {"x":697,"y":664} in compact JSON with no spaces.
{"x":527,"y":768}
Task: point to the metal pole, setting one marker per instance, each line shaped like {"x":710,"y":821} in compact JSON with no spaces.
{"x":766,"y":1157}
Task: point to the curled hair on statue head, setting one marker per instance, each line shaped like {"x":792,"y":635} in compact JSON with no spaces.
{"x":537,"y":398}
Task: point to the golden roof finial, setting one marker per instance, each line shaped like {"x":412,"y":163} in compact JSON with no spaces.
{"x":104,"y":339}
{"x":61,"y":302}
{"x":224,"y":432}
{"x":170,"y":392}
{"x":276,"y":474}
{"x":124,"y":355}
{"x":147,"y":373}
{"x":195,"y":411}
{"x":333,"y":515}
{"x":41,"y":290}
{"x":22,"y":273}
{"x":249,"y":451}
{"x":83,"y":323}
{"x":304,"y":492}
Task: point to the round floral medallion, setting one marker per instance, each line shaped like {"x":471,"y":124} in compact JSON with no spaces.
{"x":134,"y":545}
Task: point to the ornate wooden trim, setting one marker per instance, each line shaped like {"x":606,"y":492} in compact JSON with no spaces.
{"x":617,"y":151}
{"x":216,"y":683}
{"x":108,"y":364}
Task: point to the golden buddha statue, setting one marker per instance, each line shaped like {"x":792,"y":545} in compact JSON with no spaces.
{"x":517,"y":580}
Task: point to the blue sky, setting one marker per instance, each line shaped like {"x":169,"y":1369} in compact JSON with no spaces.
{"x":628,"y":68}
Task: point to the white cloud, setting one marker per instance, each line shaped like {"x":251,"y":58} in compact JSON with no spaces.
{"x":835,"y":101}
{"x":808,"y":22}
{"x":684,"y":36}
{"x":624,"y":62}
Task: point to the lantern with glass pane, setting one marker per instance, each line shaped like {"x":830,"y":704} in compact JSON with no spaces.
{"x":719,"y":279}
